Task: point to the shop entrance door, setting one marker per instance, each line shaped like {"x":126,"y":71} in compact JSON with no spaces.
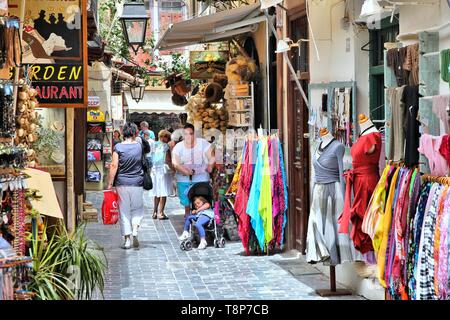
{"x":298,"y":143}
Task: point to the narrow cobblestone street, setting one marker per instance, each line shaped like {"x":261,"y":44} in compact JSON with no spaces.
{"x":160,"y":270}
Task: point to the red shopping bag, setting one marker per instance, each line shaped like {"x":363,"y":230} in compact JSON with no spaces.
{"x":110,"y":207}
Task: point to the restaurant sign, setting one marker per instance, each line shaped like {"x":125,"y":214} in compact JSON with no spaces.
{"x":54,"y":49}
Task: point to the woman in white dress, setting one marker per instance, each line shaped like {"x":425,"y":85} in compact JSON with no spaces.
{"x":162,"y":174}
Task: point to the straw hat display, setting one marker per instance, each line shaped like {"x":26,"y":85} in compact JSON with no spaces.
{"x":27,"y":121}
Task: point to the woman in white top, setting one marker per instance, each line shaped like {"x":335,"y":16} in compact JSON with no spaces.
{"x":193,"y":160}
{"x":162,"y":174}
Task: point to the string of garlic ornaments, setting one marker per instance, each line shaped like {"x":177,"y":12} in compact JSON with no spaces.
{"x":27,"y":122}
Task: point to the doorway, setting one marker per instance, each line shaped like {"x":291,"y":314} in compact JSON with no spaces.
{"x":298,"y":143}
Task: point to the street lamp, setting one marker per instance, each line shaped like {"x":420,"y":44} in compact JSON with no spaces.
{"x":134,"y":24}
{"x":137,"y":90}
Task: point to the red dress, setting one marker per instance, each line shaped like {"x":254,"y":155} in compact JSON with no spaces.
{"x":242,"y":194}
{"x":363,"y":177}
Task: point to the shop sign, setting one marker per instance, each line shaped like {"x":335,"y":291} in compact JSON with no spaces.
{"x":55,"y":50}
{"x":95,"y":115}
{"x":93,"y":101}
{"x":204,"y":64}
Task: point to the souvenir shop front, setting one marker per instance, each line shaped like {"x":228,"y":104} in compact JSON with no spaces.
{"x":226,"y":99}
{"x":36,"y":137}
{"x":380,"y":196}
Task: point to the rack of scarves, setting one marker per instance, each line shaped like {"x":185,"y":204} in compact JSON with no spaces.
{"x":408,"y":222}
{"x":14,"y":277}
{"x":260,"y":196}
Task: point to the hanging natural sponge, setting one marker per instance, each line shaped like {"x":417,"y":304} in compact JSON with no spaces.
{"x":221,"y":79}
{"x":241,"y":69}
{"x":214,"y":92}
{"x":179,"y":100}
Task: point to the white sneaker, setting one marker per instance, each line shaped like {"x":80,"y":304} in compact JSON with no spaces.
{"x":127,"y":243}
{"x":135,"y":230}
{"x":202,"y":245}
{"x":184,"y":236}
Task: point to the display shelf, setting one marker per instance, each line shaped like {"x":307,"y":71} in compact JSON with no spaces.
{"x":240,"y":97}
{"x":240,"y":111}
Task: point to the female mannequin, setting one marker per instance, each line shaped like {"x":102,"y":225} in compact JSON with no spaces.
{"x":324,"y":244}
{"x":366,"y":126}
{"x":326,"y":137}
{"x":363,"y":178}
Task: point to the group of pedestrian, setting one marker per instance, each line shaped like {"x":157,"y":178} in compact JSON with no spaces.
{"x":178,"y":155}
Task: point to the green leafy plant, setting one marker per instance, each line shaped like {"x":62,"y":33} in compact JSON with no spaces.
{"x":45,"y":281}
{"x":48,"y":142}
{"x":111,"y":29}
{"x":83,"y":261}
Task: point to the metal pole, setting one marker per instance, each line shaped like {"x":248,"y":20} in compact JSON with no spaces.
{"x":286,"y":58}
{"x":268,"y":75}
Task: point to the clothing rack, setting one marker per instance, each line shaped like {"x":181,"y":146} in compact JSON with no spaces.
{"x":431,"y":54}
{"x":436,"y":179}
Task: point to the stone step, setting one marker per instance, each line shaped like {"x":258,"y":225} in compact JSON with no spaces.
{"x":91,"y":210}
{"x":87,"y":205}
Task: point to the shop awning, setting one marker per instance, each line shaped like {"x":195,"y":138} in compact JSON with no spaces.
{"x":48,"y":205}
{"x":214,"y":27}
{"x":153,"y":102}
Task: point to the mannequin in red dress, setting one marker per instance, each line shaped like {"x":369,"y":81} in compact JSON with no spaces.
{"x":363,"y":178}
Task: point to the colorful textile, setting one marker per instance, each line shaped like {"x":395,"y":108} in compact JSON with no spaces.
{"x":429,"y":146}
{"x":385,"y":225}
{"x":375,"y":210}
{"x":242,"y":195}
{"x":425,"y":266}
{"x":255,"y":194}
{"x":265,"y":199}
{"x":285,"y":192}
{"x":416,"y":229}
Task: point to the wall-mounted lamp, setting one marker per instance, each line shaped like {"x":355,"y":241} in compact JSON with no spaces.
{"x":286,"y":44}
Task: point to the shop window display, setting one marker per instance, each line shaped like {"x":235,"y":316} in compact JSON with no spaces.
{"x":50,"y":147}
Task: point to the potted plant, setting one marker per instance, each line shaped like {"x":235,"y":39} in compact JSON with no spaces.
{"x":45,"y":281}
{"x":83,"y":261}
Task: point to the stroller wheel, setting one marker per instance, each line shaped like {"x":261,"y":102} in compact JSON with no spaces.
{"x":188,"y":245}
{"x":182,"y":247}
{"x":216,"y":243}
{"x":222,"y":242}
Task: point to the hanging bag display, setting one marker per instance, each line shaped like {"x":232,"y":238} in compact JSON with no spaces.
{"x":95,"y":128}
{"x":94,"y":144}
{"x":110,"y":207}
{"x":95,"y":115}
{"x":94,"y":155}
{"x":93,"y":175}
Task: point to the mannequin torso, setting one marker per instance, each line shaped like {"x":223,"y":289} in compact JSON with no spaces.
{"x":326,"y":140}
{"x":367,"y":127}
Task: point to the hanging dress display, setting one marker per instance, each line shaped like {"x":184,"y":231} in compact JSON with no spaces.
{"x":324,"y":244}
{"x":363,"y":179}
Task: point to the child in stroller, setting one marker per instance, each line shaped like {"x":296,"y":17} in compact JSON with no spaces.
{"x":201,"y":197}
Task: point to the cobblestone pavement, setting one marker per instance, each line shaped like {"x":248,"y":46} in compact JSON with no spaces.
{"x":160,"y":270}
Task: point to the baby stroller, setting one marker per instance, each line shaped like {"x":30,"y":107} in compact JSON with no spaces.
{"x":205,"y":190}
